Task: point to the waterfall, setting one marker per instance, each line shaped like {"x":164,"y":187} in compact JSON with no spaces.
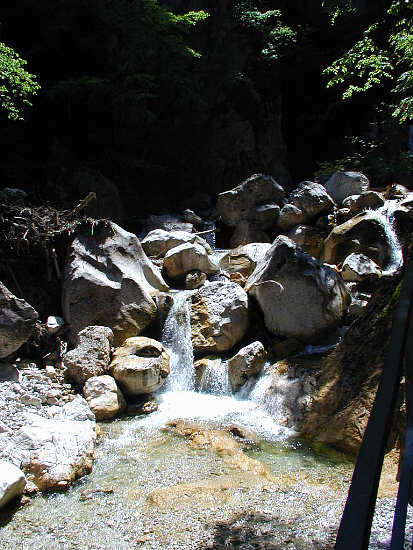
{"x":176,"y":338}
{"x":215,"y":378}
{"x":385,"y":216}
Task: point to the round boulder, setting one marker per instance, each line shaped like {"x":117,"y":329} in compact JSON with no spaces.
{"x":140,"y":366}
{"x":104,"y":397}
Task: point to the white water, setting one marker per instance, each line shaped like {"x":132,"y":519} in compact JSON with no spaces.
{"x":176,"y":337}
{"x":385,"y":216}
{"x":215,"y":378}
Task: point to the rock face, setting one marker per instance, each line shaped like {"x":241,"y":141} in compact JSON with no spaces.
{"x":344,"y":184}
{"x":17,"y":322}
{"x":299,"y":296}
{"x":91,"y":356}
{"x":109,"y":281}
{"x":219,"y":317}
{"x":56,"y":451}
{"x":247,"y":362}
{"x":305,"y":203}
{"x":140,"y":366}
{"x":158,"y":242}
{"x":188,"y":257}
{"x":104,"y":397}
{"x":243,"y":202}
{"x":12,"y":482}
{"x":358,"y":267}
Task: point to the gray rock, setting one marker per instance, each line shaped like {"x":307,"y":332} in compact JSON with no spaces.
{"x":358,"y":267}
{"x":104,"y":397}
{"x":369,"y":200}
{"x":239,"y":203}
{"x":312,"y":199}
{"x":309,"y":239}
{"x":140,"y":366}
{"x":12,"y":482}
{"x":17,"y":322}
{"x":219,"y":317}
{"x":91,"y":357}
{"x":343,"y":184}
{"x":158,"y":242}
{"x":169,"y":223}
{"x":299,"y":297}
{"x":56,"y":451}
{"x":290,"y":216}
{"x":247,"y":362}
{"x":187,"y":257}
{"x":109,"y":281}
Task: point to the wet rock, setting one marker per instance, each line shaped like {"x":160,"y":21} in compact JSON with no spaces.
{"x":140,"y":366}
{"x":12,"y":482}
{"x":370,"y":200}
{"x":56,"y":451}
{"x":344,"y":184}
{"x":219,"y":317}
{"x":299,"y":296}
{"x":194,"y":279}
{"x":88,"y":494}
{"x":355,"y":310}
{"x":104,"y":397}
{"x":358,"y":267}
{"x":238,"y":204}
{"x":158,"y":242}
{"x":147,"y":406}
{"x":247,"y":232}
{"x":247,"y":362}
{"x":109,"y":281}
{"x":17,"y":322}
{"x":243,"y":259}
{"x":309,"y":239}
{"x":188,"y":257}
{"x":91,"y":356}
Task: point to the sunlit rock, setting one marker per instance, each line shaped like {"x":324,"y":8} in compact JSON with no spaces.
{"x":158,"y":241}
{"x":12,"y":482}
{"x":247,"y":362}
{"x":343,"y":184}
{"x":104,"y":397}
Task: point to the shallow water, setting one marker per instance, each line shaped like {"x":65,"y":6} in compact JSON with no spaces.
{"x":168,"y":495}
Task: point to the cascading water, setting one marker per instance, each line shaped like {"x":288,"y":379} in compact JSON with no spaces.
{"x":215,"y":378}
{"x":385,"y":216}
{"x":176,"y":337}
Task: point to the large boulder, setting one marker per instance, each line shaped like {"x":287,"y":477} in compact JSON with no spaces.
{"x":308,"y":201}
{"x":56,"y":451}
{"x":158,"y":241}
{"x":169,"y":222}
{"x":17,"y":322}
{"x":247,"y":362}
{"x":109,"y":281}
{"x":104,"y":397}
{"x":219,"y":317}
{"x":12,"y":482}
{"x":140,"y":366}
{"x":364,"y":234}
{"x":343,"y":184}
{"x":369,"y":200}
{"x":243,"y":202}
{"x":188,"y":257}
{"x":299,"y":296}
{"x":91,"y":356}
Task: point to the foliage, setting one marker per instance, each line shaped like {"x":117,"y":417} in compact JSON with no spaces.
{"x":383,"y":52}
{"x":16,"y":84}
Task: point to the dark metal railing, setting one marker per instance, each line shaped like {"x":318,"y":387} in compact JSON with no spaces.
{"x":355,"y":526}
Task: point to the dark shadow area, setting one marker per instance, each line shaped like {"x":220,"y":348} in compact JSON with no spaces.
{"x":261,"y":531}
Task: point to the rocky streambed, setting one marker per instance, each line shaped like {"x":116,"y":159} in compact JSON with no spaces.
{"x":209,"y":369}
